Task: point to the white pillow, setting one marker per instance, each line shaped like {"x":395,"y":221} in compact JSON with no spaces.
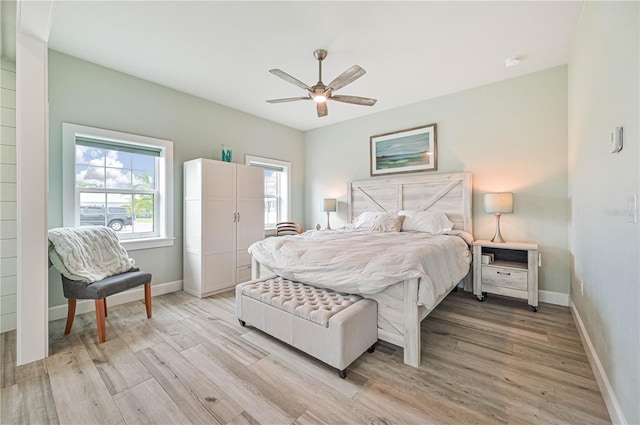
{"x":388,"y":223}
{"x":367,"y":219}
{"x":426,"y":221}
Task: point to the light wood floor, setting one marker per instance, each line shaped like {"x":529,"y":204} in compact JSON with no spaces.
{"x":493,"y":362}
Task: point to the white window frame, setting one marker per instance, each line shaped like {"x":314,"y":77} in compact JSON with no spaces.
{"x":285,"y":197}
{"x":70,"y":194}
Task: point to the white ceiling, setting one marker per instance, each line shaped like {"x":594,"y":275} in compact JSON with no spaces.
{"x":222,"y":51}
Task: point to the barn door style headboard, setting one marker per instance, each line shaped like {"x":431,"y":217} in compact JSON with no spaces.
{"x":449,"y":193}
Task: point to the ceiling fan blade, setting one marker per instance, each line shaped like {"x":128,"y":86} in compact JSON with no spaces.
{"x":288,"y":99}
{"x":322,"y":109}
{"x":289,"y":78}
{"x":347,"y":77}
{"x":357,"y":100}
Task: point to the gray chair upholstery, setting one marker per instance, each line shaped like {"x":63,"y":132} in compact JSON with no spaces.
{"x":105,"y":287}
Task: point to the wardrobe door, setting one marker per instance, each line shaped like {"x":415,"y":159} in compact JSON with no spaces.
{"x":250,"y":223}
{"x":218,"y":228}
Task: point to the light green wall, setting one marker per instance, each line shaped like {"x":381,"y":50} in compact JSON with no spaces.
{"x":604,"y":74}
{"x":84,"y":93}
{"x":511,"y":135}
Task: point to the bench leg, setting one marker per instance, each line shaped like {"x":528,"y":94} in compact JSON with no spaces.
{"x":147,"y":298}
{"x":342,"y":373}
{"x":100,"y":320}
{"x":71,"y":314}
{"x":105,"y":307}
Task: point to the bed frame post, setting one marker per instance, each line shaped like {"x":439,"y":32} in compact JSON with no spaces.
{"x":411,"y":323}
{"x":255,"y":269}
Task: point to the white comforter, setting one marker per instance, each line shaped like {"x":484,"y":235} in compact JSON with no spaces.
{"x":366,"y":262}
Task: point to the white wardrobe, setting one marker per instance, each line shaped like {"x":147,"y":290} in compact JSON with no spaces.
{"x":223,"y":215}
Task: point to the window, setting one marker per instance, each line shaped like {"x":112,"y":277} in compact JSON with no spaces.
{"x":119,"y":180}
{"x":277,"y":186}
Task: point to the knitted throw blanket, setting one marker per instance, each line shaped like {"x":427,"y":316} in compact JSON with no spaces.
{"x":88,"y":253}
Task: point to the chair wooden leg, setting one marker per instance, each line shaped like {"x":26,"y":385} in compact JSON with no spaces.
{"x":105,"y":307}
{"x":71,"y":314}
{"x":147,"y":298}
{"x":100,"y":308}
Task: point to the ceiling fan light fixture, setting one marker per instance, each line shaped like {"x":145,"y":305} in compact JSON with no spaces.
{"x":319,"y":93}
{"x":320,"y":98}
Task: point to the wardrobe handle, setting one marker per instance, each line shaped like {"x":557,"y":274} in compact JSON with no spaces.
{"x":235,"y":217}
{"x":238,"y":216}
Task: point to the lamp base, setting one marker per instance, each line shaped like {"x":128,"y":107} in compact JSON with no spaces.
{"x":328,"y":225}
{"x":497,"y":237}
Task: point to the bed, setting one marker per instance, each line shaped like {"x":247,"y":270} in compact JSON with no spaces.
{"x":402,"y":303}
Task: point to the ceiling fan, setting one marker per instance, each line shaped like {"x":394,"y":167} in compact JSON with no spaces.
{"x":321,"y":92}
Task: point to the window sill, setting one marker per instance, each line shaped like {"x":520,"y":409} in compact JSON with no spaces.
{"x":136,"y":244}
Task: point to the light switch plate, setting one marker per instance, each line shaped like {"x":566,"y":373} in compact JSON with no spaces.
{"x":615,"y":140}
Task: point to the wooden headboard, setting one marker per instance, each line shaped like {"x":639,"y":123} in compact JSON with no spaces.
{"x":449,"y":193}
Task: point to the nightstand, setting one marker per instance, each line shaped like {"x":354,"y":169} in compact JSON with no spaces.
{"x":510,"y":268}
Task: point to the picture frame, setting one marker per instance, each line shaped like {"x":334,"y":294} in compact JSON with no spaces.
{"x":404,"y":151}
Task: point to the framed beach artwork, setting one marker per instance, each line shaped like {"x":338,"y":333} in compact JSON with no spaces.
{"x":404,"y":151}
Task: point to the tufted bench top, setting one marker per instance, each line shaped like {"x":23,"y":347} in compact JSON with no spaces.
{"x":315,"y":304}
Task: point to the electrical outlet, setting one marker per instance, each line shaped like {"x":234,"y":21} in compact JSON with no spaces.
{"x":581,"y":287}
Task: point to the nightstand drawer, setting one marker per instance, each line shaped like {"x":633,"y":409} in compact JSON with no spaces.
{"x":505,"y":277}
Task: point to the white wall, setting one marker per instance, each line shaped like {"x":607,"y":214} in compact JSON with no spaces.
{"x":32,"y":339}
{"x":511,"y":135}
{"x":84,"y":93}
{"x":604,"y":74}
{"x":8,"y":249}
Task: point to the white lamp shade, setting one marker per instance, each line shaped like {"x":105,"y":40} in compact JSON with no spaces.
{"x":328,"y":205}
{"x":498,"y":203}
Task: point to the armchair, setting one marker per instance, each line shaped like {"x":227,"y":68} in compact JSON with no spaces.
{"x":94,"y":265}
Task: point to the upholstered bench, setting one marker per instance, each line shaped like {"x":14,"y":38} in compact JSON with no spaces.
{"x":332,"y":327}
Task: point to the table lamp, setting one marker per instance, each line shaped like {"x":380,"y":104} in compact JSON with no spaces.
{"x":328,"y":206}
{"x":498,"y":204}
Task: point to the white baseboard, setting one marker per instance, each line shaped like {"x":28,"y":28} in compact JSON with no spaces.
{"x":85,"y":306}
{"x":557,"y":298}
{"x":610,"y":399}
